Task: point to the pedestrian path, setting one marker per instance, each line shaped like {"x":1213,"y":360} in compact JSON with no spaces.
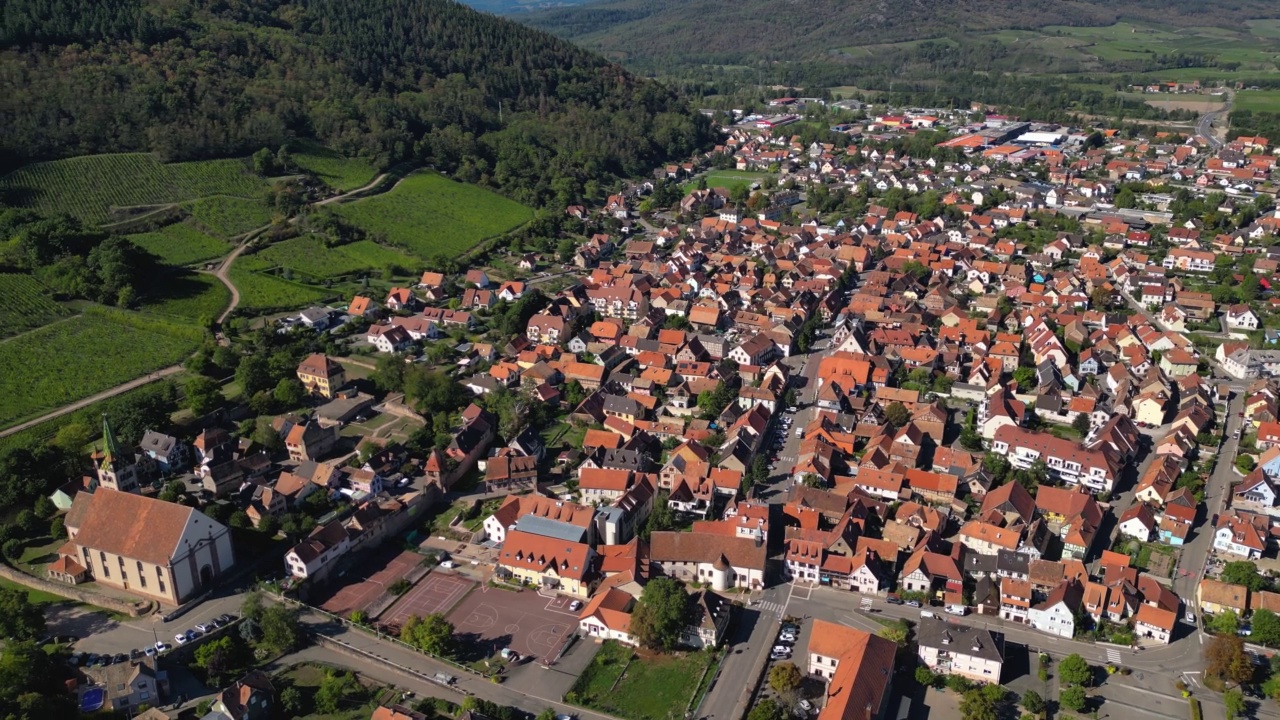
{"x":769,"y":607}
{"x":1113,"y":656}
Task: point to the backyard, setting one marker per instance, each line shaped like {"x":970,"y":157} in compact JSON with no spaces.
{"x":639,"y":685}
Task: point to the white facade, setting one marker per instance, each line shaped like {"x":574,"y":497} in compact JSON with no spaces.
{"x":1056,"y":619}
{"x":1224,"y":541}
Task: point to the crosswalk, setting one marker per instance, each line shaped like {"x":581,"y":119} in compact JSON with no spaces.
{"x":769,"y":607}
{"x":865,"y":605}
{"x":1113,"y":656}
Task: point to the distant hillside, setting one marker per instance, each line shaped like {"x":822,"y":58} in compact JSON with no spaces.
{"x":430,"y":82}
{"x":517,"y":7}
{"x":669,"y":33}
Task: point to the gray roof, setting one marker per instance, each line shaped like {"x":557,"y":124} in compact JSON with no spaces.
{"x":960,"y":639}
{"x":550,"y":528}
{"x":158,"y":443}
{"x":621,"y":405}
{"x":1014,"y":562}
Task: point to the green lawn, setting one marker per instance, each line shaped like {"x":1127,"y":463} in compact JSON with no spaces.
{"x":1258,"y":100}
{"x":338,"y":172}
{"x":187,"y":295}
{"x":89,"y":186}
{"x":181,"y":244}
{"x":27,"y":304}
{"x":70,"y":360}
{"x":727,"y":179}
{"x":228,"y":217}
{"x":654,"y":687}
{"x":432,"y":215}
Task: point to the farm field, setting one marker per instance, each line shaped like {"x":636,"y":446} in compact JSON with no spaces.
{"x":432,"y":215}
{"x":228,"y":217}
{"x":373,"y":255}
{"x":89,"y":186}
{"x":1130,"y":41}
{"x":27,"y":305}
{"x":189,"y":296}
{"x":181,"y":244}
{"x":308,"y":256}
{"x":1258,"y":100}
{"x":338,"y":172}
{"x":727,"y":179}
{"x":260,"y":291}
{"x":62,"y":363}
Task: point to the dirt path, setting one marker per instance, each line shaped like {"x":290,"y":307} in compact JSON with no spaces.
{"x":117,"y":390}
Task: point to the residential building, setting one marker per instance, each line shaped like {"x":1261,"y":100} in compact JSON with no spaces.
{"x":321,"y":375}
{"x":858,"y":668}
{"x":955,"y":649}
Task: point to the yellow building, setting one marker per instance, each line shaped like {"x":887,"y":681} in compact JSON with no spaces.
{"x":321,"y":375}
{"x":547,"y":562}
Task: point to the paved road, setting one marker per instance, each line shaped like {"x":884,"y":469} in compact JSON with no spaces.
{"x":1204,"y":125}
{"x":85,"y":402}
{"x":1217,"y":490}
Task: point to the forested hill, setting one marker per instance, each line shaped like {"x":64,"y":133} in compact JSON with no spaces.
{"x":427,"y":81}
{"x":662,"y":34}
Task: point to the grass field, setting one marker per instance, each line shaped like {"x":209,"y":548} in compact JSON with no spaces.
{"x":338,"y":172}
{"x":62,"y":363}
{"x":181,"y":244}
{"x":90,"y":415}
{"x":1258,"y":100}
{"x":228,"y":217}
{"x":26,"y":305}
{"x":89,"y":186}
{"x":431,"y":215}
{"x":727,"y":179}
{"x":655,"y":687}
{"x":260,"y":291}
{"x":308,"y":256}
{"x":190,"y":296}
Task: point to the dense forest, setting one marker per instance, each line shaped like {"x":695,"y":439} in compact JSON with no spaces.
{"x":426,"y":81}
{"x":662,"y":34}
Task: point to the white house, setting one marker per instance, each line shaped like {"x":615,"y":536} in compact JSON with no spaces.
{"x":318,"y":550}
{"x":1238,"y":536}
{"x":955,"y":649}
{"x":1240,"y":317}
{"x":1155,"y":624}
{"x":1056,"y":615}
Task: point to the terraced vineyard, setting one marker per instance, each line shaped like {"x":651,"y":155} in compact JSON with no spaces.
{"x":228,"y":217}
{"x":377,"y":256}
{"x":89,"y":186}
{"x":432,"y":215}
{"x":181,"y":244}
{"x":50,"y":367}
{"x":26,"y":305}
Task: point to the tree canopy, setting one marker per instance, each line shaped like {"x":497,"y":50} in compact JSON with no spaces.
{"x":430,"y":82}
{"x":661,"y":614}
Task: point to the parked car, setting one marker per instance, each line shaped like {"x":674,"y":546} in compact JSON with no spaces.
{"x":150,"y":652}
{"x":76,"y":659}
{"x":181,"y":638}
{"x":782,"y":649}
{"x":226,"y":618}
{"x":205,"y":627}
{"x":575,"y":606}
{"x":1191,"y":617}
{"x":893,"y":599}
{"x":806,"y":706}
{"x":913,"y":603}
{"x":447,"y":564}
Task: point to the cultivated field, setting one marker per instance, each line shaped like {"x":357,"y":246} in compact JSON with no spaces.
{"x":431,"y":215}
{"x":373,"y":255}
{"x":1258,"y":100}
{"x":308,"y":256}
{"x":189,"y":296}
{"x":181,"y":244}
{"x":89,"y":186}
{"x":228,"y":217}
{"x":260,"y":291}
{"x":338,"y":172}
{"x":26,"y":305}
{"x":50,"y":367}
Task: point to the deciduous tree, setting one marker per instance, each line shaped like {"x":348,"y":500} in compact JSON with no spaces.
{"x":661,"y":614}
